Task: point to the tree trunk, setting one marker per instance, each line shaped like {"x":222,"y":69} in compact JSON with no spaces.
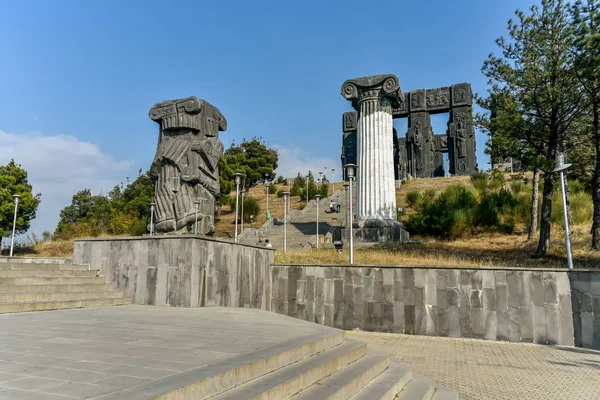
{"x":545,"y":226}
{"x":534,"y":205}
{"x":596,"y":180}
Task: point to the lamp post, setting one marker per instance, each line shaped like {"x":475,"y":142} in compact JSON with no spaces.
{"x":289,"y":191}
{"x":562,"y":167}
{"x":238,"y":177}
{"x":346,"y":199}
{"x":196,"y":204}
{"x":318,"y":198}
{"x":320,"y":177}
{"x":152,"y":207}
{"x":285,"y":199}
{"x":333,"y":179}
{"x":267,"y":184}
{"x":307,"y":189}
{"x":350,"y":174}
{"x":16,"y":198}
{"x":242,"y":219}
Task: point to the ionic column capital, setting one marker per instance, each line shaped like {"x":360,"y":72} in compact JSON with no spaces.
{"x":385,"y":88}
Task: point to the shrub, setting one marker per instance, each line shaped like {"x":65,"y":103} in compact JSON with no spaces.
{"x":413,"y":198}
{"x":460,"y":197}
{"x":251,"y":207}
{"x":574,"y":186}
{"x":433,"y":217}
{"x":496,"y":180}
{"x":428,"y":196}
{"x":479,"y":180}
{"x":517,"y":187}
{"x":461,"y":224}
{"x":486,"y":213}
{"x":272,"y":188}
{"x":582,"y":207}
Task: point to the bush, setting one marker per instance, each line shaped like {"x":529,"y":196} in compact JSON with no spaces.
{"x":518,"y":187}
{"x":272,"y":188}
{"x":486,"y":213}
{"x":413,"y":198}
{"x":433,"y":217}
{"x":460,"y":197}
{"x":496,"y":180}
{"x":251,"y":207}
{"x":428,"y":196}
{"x":479,"y":180}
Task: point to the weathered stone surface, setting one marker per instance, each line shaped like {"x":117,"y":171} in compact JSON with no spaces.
{"x":185,"y":165}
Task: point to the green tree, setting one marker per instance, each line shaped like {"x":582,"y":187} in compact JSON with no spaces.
{"x":536,"y":68}
{"x":13,"y":180}
{"x":586,"y":47}
{"x":253,"y":159}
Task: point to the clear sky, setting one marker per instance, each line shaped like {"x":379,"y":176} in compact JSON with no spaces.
{"x":77,"y":78}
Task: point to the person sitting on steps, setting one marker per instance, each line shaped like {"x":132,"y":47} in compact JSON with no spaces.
{"x":260,"y":241}
{"x":331,"y":206}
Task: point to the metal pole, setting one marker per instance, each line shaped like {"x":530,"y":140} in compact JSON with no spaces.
{"x":333,"y":179}
{"x":237,"y":198}
{"x":16,"y":197}
{"x":152,"y":205}
{"x":242,"y":219}
{"x":317,"y":198}
{"x":306,"y":189}
{"x":567,"y":234}
{"x":351,"y":220}
{"x":285,"y":198}
{"x":267,"y":183}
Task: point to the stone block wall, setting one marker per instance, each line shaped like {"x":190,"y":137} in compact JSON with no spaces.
{"x":585,"y":297}
{"x":183,"y":270}
{"x":490,"y":303}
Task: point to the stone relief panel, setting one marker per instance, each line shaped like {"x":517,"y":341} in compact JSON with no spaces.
{"x":349,"y":121}
{"x":461,"y":95}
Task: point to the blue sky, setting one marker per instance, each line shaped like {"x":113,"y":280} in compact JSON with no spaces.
{"x":77,"y":78}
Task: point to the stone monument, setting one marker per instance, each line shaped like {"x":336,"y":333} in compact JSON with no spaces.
{"x":185,"y":168}
{"x":420,"y":154}
{"x":374,"y":98}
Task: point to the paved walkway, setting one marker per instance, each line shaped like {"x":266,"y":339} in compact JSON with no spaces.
{"x":89,"y":353}
{"x":480,"y":369}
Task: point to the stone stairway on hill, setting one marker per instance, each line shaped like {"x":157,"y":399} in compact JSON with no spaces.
{"x":322,"y":365}
{"x":53,"y":284}
{"x":302,"y":227}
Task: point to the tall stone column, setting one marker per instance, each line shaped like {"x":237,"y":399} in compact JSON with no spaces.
{"x":373,"y":97}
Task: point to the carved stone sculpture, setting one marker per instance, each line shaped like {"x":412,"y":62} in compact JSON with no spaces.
{"x":185,"y":168}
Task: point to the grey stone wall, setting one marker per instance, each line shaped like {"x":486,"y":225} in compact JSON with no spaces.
{"x":183,"y":270}
{"x":491,"y":303}
{"x":585,"y":293}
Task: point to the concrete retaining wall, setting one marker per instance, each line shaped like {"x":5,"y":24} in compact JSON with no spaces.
{"x":496,"y":304}
{"x":185,"y":270}
{"x":585,"y":295}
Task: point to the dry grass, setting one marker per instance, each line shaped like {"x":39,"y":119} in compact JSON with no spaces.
{"x":484,"y":250}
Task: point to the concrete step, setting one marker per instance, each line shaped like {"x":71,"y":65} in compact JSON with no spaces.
{"x":207,"y":382}
{"x":387,"y":385}
{"x":36,"y":260}
{"x":442,"y":393}
{"x":59,"y":305}
{"x":419,"y":388}
{"x":296,"y":377}
{"x":44,"y":266}
{"x":50,"y":280}
{"x":345,"y":383}
{"x":6,"y":273}
{"x":45,"y":297}
{"x":100,"y":286}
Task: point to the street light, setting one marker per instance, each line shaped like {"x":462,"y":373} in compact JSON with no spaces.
{"x":321,"y":176}
{"x":16,"y":198}
{"x":267,"y":184}
{"x":318,"y":197}
{"x":346,"y":198}
{"x":289,"y":191}
{"x":196,"y":203}
{"x":238,"y":177}
{"x":152,"y":208}
{"x":350,"y":174}
{"x":242,"y":227}
{"x":561,"y":167}
{"x":333,"y":179}
{"x":307,"y":188}
{"x":285,"y":199}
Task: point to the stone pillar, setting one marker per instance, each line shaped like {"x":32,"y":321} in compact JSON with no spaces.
{"x":461,"y":132}
{"x":372,"y":97}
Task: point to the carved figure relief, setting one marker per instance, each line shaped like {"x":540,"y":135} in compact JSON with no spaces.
{"x":350,"y":121}
{"x":185,"y":167}
{"x":416,"y":100}
{"x":437,"y":99}
{"x":460,"y":95}
{"x":461,"y":134}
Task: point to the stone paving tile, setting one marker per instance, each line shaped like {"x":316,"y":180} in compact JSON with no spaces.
{"x":5,"y":377}
{"x":81,"y":390}
{"x":122,"y":382}
{"x":479,"y":369}
{"x":14,"y":394}
{"x":31,"y":383}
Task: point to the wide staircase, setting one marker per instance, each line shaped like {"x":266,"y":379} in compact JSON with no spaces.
{"x":53,"y":284}
{"x":302,"y":225}
{"x":323,"y":365}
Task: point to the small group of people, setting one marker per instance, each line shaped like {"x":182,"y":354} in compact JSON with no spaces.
{"x":263,"y":242}
{"x":337,"y":207}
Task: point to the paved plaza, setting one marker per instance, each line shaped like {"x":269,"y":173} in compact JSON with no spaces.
{"x":89,"y":353}
{"x":479,"y":369}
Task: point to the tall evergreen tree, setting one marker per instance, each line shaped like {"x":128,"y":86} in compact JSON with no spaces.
{"x":536,"y":67}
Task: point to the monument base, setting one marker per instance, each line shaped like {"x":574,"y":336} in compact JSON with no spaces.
{"x":377,"y":231}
